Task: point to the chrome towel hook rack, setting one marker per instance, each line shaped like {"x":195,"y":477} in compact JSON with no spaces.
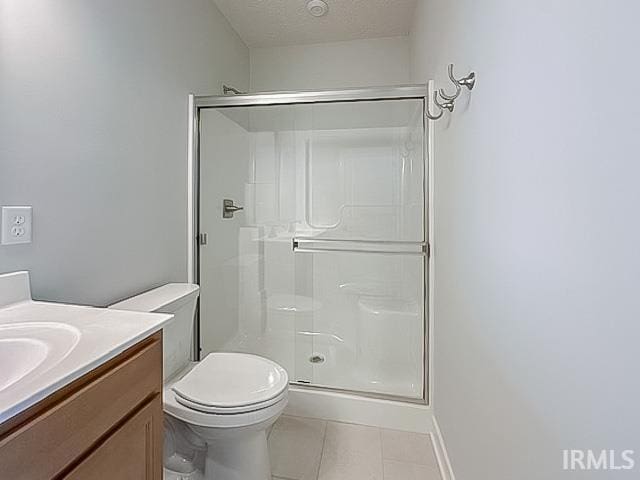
{"x":468,"y":81}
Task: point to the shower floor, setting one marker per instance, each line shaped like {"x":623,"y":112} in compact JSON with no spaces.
{"x":311,"y":449}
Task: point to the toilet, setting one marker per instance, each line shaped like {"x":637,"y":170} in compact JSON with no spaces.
{"x":217,"y":410}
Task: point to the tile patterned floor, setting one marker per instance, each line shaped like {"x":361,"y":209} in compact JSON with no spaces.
{"x":311,"y":449}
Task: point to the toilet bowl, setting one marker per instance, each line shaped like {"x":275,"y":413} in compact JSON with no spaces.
{"x":225,"y":403}
{"x":229,"y":400}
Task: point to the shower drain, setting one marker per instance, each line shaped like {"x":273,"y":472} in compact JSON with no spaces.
{"x":316,"y":358}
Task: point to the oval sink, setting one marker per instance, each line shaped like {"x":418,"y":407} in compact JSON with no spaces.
{"x":29,"y":349}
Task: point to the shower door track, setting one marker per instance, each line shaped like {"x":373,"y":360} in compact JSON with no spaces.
{"x":400,"y":92}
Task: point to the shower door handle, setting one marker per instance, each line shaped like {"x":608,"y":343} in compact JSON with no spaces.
{"x":228,"y":208}
{"x":310,"y":245}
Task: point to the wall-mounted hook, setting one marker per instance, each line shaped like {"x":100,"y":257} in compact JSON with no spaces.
{"x":444,"y":94}
{"x":469,"y":81}
{"x":448,"y":104}
{"x":451,"y":98}
{"x":434,"y":117}
{"x":428,"y":113}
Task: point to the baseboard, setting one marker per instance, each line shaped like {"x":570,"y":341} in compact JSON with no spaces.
{"x":441,"y":452}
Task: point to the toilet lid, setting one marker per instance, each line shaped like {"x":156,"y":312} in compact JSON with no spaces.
{"x":231,"y":380}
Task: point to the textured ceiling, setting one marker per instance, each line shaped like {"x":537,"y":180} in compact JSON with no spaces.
{"x":264,"y":23}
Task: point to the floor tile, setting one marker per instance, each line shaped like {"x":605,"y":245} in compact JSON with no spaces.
{"x":408,"y":447}
{"x":351,"y":452}
{"x":295,"y":447}
{"x":409,"y":471}
{"x":354,"y":438}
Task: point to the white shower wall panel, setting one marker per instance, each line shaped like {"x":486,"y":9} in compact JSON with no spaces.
{"x":224,"y":163}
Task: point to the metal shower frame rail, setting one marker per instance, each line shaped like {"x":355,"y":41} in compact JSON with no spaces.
{"x":311,"y":96}
{"x":401,"y":92}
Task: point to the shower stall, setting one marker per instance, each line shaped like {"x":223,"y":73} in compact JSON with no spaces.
{"x":311,"y":243}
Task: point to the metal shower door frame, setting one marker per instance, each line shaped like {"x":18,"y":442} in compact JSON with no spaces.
{"x":401,"y":92}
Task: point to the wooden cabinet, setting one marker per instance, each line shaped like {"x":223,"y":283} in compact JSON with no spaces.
{"x":129,"y":453}
{"x":107,"y":424}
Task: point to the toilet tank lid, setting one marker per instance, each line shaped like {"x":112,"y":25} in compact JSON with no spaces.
{"x":161,"y":299}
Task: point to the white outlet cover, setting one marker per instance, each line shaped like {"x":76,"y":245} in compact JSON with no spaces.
{"x":16,"y":225}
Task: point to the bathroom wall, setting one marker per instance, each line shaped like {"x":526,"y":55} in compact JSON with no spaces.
{"x":371,"y":62}
{"x":93,"y":134}
{"x":536,"y":238}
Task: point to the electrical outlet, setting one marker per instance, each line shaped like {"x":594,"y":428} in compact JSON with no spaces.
{"x":16,"y":225}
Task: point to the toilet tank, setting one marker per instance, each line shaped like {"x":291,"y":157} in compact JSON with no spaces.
{"x":180,"y":300}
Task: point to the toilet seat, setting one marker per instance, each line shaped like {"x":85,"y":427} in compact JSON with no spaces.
{"x":231,"y":383}
{"x":228,"y":390}
{"x":227,"y":410}
{"x":216,"y":420}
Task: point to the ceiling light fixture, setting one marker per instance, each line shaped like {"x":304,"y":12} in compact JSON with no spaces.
{"x":317,"y":8}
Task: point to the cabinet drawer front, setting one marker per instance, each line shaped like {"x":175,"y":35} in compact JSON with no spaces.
{"x":133,"y":452}
{"x":80,"y":416}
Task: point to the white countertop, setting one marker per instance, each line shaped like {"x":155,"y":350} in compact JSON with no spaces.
{"x":98,"y":335}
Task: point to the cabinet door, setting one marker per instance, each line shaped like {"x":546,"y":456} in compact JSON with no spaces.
{"x":133,"y":452}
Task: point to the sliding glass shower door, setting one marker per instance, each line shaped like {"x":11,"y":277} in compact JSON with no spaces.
{"x":315,"y":252}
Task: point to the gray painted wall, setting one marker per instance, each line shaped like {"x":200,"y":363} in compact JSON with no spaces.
{"x":93,"y":134}
{"x":353,"y":63}
{"x":536,"y":209}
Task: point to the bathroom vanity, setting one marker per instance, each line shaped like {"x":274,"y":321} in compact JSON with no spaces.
{"x":106,"y":424}
{"x":80,"y":390}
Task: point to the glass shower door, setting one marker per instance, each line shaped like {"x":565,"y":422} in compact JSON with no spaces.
{"x":324,"y":268}
{"x":362,"y":244}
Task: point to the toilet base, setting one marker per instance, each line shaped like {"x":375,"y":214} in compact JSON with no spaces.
{"x":243,"y":458}
{"x":237,"y":453}
{"x":171,"y":475}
